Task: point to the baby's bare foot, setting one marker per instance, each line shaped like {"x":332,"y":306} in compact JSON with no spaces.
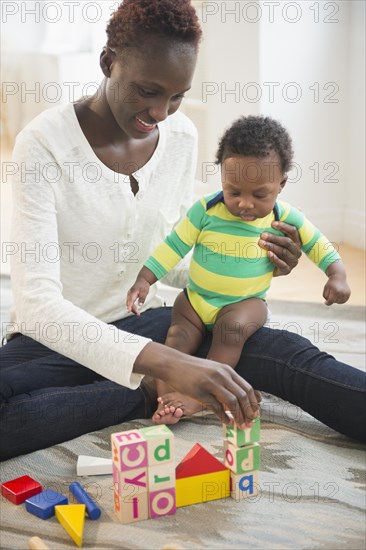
{"x":168,"y":412}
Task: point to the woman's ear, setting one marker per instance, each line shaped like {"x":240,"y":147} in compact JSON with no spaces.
{"x":283,"y":183}
{"x":105,"y":60}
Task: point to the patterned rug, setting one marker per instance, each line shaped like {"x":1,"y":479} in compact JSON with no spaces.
{"x":312,"y":480}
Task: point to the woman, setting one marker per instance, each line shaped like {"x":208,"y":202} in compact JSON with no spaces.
{"x":100,"y":183}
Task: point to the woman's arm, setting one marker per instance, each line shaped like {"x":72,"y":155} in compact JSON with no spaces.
{"x":218,"y":387}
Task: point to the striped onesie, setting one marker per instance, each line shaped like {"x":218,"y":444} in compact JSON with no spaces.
{"x":227,"y":264}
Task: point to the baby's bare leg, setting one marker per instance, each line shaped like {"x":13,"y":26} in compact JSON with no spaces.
{"x":235,"y":323}
{"x":185,"y":334}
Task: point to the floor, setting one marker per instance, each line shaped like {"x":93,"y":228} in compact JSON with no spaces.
{"x":306,"y":282}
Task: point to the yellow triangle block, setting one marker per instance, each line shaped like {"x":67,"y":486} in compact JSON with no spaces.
{"x":71,"y":517}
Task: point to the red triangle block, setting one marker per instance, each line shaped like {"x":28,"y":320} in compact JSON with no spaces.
{"x":197,"y":462}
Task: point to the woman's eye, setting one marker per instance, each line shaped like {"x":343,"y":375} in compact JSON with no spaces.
{"x":145,"y":93}
{"x":178,"y":97}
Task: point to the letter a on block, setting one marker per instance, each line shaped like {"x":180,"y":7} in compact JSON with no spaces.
{"x":71,"y":517}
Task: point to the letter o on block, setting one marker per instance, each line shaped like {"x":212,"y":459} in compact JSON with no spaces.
{"x":162,"y":503}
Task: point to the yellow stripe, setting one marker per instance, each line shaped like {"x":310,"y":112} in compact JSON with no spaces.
{"x":166,"y":256}
{"x":321,"y":248}
{"x":230,"y":286}
{"x":187,"y":232}
{"x":307,"y":232}
{"x":232,"y":245}
{"x":220,"y":211}
{"x":205,"y":311}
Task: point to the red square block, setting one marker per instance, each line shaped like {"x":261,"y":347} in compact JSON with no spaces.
{"x":19,"y":489}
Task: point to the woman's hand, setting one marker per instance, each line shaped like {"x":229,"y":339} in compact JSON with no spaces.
{"x":283,"y":251}
{"x":218,"y":387}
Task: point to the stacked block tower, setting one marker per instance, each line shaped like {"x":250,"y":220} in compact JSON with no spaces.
{"x":143,"y":473}
{"x":242,"y":457}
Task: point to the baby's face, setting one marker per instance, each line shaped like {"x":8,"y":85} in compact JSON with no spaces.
{"x":251,"y":185}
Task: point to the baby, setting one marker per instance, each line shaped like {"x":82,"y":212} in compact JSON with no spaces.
{"x":229,"y":273}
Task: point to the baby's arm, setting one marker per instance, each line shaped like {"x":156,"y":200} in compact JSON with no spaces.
{"x":140,"y":289}
{"x":336,"y":290}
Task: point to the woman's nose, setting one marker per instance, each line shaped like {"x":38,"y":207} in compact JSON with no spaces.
{"x":159,"y":111}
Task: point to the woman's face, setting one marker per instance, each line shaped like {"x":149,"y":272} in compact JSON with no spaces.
{"x":145,"y":87}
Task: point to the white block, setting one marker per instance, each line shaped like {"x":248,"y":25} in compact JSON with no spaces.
{"x":93,"y":466}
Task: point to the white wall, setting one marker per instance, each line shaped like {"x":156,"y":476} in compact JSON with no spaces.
{"x":246,"y":45}
{"x":314,"y":54}
{"x":304,"y":64}
{"x":355,"y":145}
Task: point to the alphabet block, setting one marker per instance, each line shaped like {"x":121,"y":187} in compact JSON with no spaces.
{"x":72,"y":518}
{"x":162,"y":477}
{"x":162,"y":503}
{"x":202,"y":488}
{"x":19,"y":489}
{"x":130,"y":482}
{"x":131,"y":507}
{"x":159,"y":444}
{"x":43,"y":504}
{"x":239,"y":438}
{"x":241,"y":460}
{"x":129,"y":450}
{"x":243,"y":485}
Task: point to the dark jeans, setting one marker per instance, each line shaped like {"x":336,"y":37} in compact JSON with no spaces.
{"x":47,"y":398}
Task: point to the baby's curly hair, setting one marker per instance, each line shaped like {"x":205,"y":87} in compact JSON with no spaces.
{"x":256,"y":136}
{"x":134,"y":19}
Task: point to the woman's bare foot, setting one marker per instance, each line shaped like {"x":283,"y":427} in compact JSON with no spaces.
{"x":172,"y":406}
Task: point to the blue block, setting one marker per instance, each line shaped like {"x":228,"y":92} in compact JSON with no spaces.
{"x":82,"y":496}
{"x":43,"y":504}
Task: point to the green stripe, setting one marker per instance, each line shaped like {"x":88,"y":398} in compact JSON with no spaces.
{"x":230,"y":266}
{"x":155,"y":267}
{"x":176,"y":244}
{"x":238,"y":228}
{"x":220,"y":300}
{"x":294,"y":216}
{"x":306,"y":248}
{"x":196,"y":214}
{"x":328,"y":260}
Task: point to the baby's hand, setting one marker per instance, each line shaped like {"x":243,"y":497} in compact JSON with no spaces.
{"x":138,"y":291}
{"x":336,"y":291}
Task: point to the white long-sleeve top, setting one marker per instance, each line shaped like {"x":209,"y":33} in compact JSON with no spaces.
{"x":80,"y":236}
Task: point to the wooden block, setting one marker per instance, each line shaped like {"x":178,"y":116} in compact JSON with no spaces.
{"x":161,"y":477}
{"x":129,"y":450}
{"x":198,"y":461}
{"x":19,"y":489}
{"x":162,"y":503}
{"x":43,"y":504}
{"x":241,"y":460}
{"x":244,"y":485}
{"x":239,"y":438}
{"x":82,"y":496}
{"x":35,"y":543}
{"x":131,"y":482}
{"x":132,"y":507}
{"x":202,"y":488}
{"x":72,"y":517}
{"x":93,"y":466}
{"x":160,"y":444}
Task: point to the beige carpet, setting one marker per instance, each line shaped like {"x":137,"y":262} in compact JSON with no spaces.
{"x":312,"y":480}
